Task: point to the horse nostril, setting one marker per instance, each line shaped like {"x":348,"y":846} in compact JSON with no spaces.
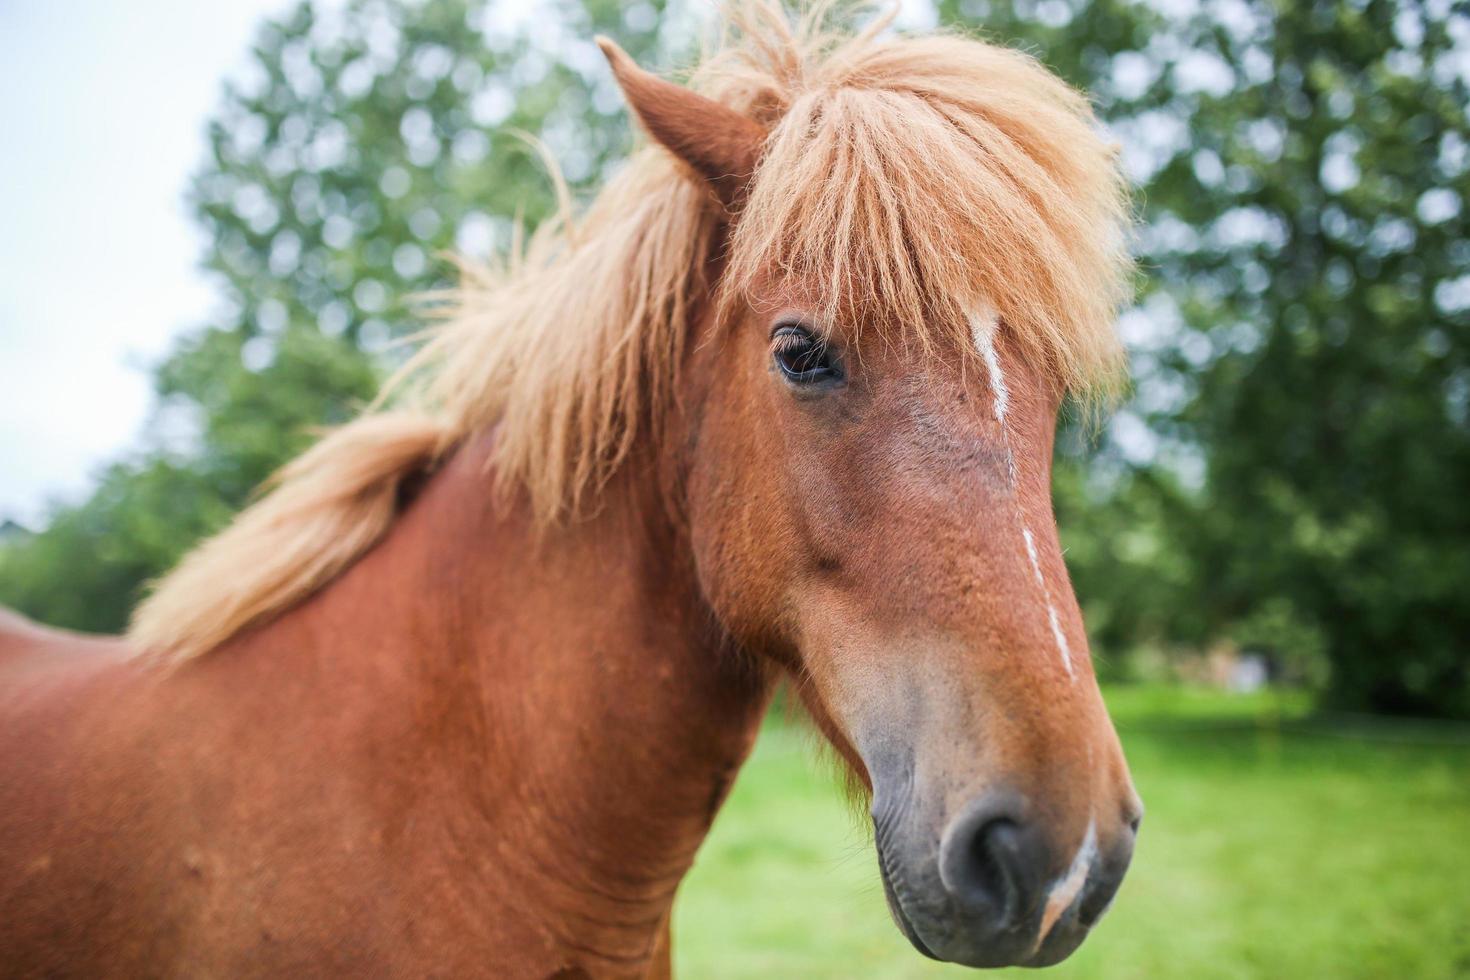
{"x":991,"y":862}
{"x":993,"y":865}
{"x":1133,"y":814}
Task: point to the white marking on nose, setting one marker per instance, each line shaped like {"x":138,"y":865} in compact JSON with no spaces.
{"x":1060,"y":637}
{"x":1031,"y":553}
{"x":1051,"y":610}
{"x":1066,"y":889}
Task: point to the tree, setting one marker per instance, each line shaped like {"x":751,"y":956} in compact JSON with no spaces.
{"x":1304,"y":170}
{"x":1289,"y":470}
{"x":372,"y":142}
{"x":1334,"y":403}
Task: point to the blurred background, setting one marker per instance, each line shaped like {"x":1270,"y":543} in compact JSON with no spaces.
{"x":1270,"y":540}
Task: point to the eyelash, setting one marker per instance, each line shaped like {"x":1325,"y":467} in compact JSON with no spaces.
{"x":802,"y":357}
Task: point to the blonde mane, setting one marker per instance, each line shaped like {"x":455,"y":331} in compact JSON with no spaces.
{"x":911,"y":179}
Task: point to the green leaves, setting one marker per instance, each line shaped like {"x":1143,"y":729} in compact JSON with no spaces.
{"x":1303,"y":185}
{"x":368,"y":143}
{"x":1292,"y":470}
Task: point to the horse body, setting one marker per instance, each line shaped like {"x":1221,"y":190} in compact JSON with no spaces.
{"x":464,"y":692}
{"x":444,"y":794}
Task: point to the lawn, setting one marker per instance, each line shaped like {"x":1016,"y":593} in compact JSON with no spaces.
{"x":1276,"y":845}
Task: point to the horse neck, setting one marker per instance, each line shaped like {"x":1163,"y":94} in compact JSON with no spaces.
{"x":579,"y":709}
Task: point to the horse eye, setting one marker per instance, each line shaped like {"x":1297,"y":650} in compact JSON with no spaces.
{"x":803,"y":358}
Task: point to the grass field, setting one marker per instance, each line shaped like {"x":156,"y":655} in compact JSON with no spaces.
{"x":1275,"y":846}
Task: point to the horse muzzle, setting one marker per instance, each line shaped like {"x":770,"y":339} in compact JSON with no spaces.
{"x":988,"y":890}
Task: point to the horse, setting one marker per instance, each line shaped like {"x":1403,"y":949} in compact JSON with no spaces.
{"x":462,"y":693}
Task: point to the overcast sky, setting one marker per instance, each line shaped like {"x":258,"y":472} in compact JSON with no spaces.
{"x":102,"y":112}
{"x":103,"y":105}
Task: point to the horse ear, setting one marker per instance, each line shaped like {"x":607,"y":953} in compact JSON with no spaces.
{"x":720,"y":144}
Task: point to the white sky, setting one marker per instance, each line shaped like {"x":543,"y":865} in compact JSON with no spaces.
{"x":102,"y":112}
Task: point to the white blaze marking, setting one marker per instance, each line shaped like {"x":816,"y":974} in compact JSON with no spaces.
{"x":982,"y":331}
{"x":1051,"y":610}
{"x":1065,"y":891}
{"x":1031,"y":553}
{"x":1061,"y":638}
{"x":983,"y":325}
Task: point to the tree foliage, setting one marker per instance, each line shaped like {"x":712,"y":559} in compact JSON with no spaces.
{"x":1303,"y":339}
{"x":369,"y":144}
{"x":1291,"y":469}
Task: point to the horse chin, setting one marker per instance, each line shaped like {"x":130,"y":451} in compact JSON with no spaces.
{"x":930,"y":934}
{"x":895,"y":909}
{"x":1060,"y":943}
{"x":991,"y":953}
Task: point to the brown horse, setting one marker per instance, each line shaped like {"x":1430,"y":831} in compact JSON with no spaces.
{"x":463,"y":693}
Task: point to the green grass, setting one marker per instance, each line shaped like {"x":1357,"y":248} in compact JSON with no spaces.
{"x":1275,"y":846}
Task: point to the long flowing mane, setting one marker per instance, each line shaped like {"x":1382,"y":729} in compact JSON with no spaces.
{"x":914,"y":179}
